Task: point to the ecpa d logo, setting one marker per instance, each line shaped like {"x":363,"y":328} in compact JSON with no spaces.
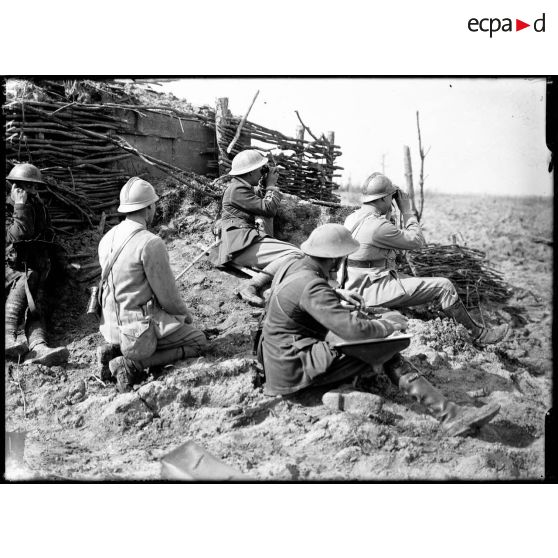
{"x":492,"y":25}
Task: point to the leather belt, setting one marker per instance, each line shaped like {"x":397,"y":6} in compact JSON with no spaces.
{"x":238,"y":223}
{"x":366,"y":263}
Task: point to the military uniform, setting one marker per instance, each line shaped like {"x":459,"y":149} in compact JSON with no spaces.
{"x":242,"y":242}
{"x":302,"y":309}
{"x":370,"y":270}
{"x":28,"y":236}
{"x":142,"y":273}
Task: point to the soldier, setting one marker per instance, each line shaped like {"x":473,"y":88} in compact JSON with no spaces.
{"x":304,"y":308}
{"x":243,"y":243}
{"x":140,"y":283}
{"x":370,"y":269}
{"x":28,"y":239}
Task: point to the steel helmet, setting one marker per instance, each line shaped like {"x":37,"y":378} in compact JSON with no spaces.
{"x":25,"y":172}
{"x":330,"y":241}
{"x":246,"y":161}
{"x":377,"y":186}
{"x":136,"y":194}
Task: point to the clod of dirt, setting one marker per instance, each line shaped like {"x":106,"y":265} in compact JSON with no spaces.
{"x":346,"y":398}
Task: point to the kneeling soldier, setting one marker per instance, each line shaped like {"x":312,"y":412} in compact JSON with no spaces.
{"x":141,"y":283}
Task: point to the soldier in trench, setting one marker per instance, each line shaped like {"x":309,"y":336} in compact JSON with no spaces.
{"x":29,"y":244}
{"x":243,"y":242}
{"x":371,"y":271}
{"x":140,"y":283}
{"x":304,"y":309}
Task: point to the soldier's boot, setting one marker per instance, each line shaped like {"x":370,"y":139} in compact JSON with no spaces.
{"x":481,"y":335}
{"x":251,"y":292}
{"x":39,"y":351}
{"x":454,"y":420}
{"x":105,"y":353}
{"x":128,"y":372}
{"x":14,"y":310}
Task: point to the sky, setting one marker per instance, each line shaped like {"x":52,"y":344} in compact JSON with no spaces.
{"x":486,"y":135}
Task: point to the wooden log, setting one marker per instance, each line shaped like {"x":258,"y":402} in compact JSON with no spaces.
{"x":331,"y":139}
{"x":408,"y":172}
{"x":221,"y":118}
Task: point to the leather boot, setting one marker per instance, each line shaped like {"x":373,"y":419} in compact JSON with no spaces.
{"x":125,"y":373}
{"x":105,"y":353}
{"x":455,"y":420}
{"x":41,"y":353}
{"x":14,"y":348}
{"x":168,"y":356}
{"x":129,"y":372}
{"x":250,"y":292}
{"x":481,"y":335}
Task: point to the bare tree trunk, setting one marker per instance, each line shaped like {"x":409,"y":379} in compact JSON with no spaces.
{"x":408,"y":171}
{"x":423,"y":155}
{"x":222,"y":115}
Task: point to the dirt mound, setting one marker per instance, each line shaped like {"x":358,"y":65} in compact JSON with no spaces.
{"x":77,"y":428}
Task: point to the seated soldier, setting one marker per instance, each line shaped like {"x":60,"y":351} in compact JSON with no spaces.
{"x":303,"y":308}
{"x":369,"y":271}
{"x":243,"y":243}
{"x":28,"y":237}
{"x":141,"y":283}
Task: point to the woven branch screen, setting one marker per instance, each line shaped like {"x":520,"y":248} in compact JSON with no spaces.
{"x":309,"y":174}
{"x":72,"y":131}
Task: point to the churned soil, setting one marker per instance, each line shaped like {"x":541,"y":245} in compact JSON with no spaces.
{"x":77,"y":428}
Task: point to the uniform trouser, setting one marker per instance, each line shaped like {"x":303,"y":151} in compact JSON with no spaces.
{"x":404,"y":291}
{"x":187,"y":335}
{"x":348,"y":365}
{"x":17,"y":303}
{"x":186,"y":341}
{"x":341,"y":366}
{"x":267,"y":254}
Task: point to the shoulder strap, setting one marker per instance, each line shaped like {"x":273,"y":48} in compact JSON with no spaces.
{"x":116,"y":254}
{"x":361,"y":222}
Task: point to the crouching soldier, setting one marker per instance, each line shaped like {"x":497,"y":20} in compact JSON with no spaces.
{"x":304,"y":308}
{"x":28,"y":238}
{"x":369,"y":270}
{"x":243,"y":242}
{"x":139,"y":283}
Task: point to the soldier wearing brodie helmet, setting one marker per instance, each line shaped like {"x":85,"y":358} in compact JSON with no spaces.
{"x":303,"y":309}
{"x":28,"y":239}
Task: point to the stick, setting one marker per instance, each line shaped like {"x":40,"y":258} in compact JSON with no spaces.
{"x":101,"y":228}
{"x":96,"y":378}
{"x":305,"y":127}
{"x":205,"y":251}
{"x":242,"y":122}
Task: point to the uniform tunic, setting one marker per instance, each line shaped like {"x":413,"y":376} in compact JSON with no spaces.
{"x":242,"y":242}
{"x":302,"y":310}
{"x":27,"y":228}
{"x":141,"y":273}
{"x":380,"y":285}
